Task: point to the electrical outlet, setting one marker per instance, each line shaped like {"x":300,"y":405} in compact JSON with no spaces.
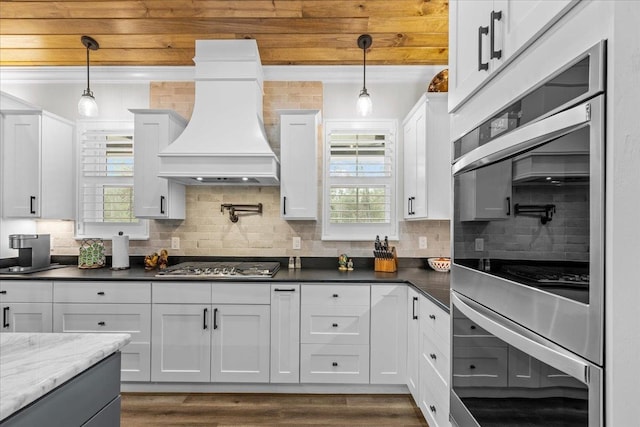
{"x":479,"y":244}
{"x":297,"y":243}
{"x":175,"y":243}
{"x":422,"y":242}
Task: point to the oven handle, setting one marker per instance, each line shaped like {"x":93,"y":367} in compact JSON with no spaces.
{"x":525,"y":340}
{"x":527,"y":137}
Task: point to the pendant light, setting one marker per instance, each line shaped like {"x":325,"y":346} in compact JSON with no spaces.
{"x":87,"y":106}
{"x":364,"y":100}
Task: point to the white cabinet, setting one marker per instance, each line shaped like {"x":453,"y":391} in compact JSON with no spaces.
{"x":334,"y":333}
{"x":26,"y":306}
{"x":427,"y":159}
{"x":181,"y":342}
{"x":37,"y":165}
{"x":413,"y":343}
{"x":241,"y":341}
{"x":109,"y":307}
{"x":299,"y":164}
{"x":181,"y":332}
{"x":285,"y":333}
{"x":434,"y":363}
{"x":484,"y":34}
{"x":485,"y":194}
{"x":155,"y":197}
{"x":389,"y":334}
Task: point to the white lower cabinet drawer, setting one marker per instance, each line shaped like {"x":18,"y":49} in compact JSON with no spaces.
{"x":136,"y":362}
{"x":436,"y":357}
{"x":334,"y":325}
{"x":102,"y":292}
{"x":335,"y":295}
{"x":324,"y":363}
{"x":134,"y":319}
{"x":434,"y":396}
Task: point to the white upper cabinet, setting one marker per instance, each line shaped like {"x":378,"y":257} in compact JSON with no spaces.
{"x":299,"y":164}
{"x":155,"y":197}
{"x":427,"y":159}
{"x":37,"y":165}
{"x":485,"y":34}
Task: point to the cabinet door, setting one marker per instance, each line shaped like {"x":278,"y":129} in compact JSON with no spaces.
{"x":299,"y":166}
{"x":27,"y":317}
{"x":413,"y":343}
{"x":181,"y":343}
{"x":523,"y":21}
{"x":285,"y":333}
{"x":523,"y":369}
{"x":240,"y":343}
{"x":419,"y":204}
{"x":155,"y":197}
{"x":437,"y":185}
{"x":410,"y":187}
{"x":389,"y":338}
{"x":468,"y":47}
{"x":21,"y":166}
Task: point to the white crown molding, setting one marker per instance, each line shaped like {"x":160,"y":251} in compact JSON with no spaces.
{"x":131,"y":74}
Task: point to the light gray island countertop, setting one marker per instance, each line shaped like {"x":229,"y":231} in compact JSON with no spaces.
{"x":33,"y":364}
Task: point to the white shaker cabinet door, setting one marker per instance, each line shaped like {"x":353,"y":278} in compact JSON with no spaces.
{"x":27,"y":317}
{"x":285,"y":333}
{"x":181,"y":343}
{"x":21,"y":165}
{"x":413,"y":343}
{"x":389,"y":334}
{"x":240,"y":343}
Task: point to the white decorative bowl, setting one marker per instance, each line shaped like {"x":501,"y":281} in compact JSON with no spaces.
{"x":440,"y":264}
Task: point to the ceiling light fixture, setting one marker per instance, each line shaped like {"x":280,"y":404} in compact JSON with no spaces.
{"x":364,"y":100}
{"x":87,"y":106}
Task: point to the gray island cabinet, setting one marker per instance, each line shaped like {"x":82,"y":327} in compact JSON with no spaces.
{"x":60,"y":379}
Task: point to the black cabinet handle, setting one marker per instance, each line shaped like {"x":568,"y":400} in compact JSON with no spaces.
{"x":472,"y":366}
{"x":284,"y":205}
{"x":413,"y":303}
{"x":284,"y":290}
{"x":432,"y":408}
{"x":3,"y":292}
{"x":334,"y":364}
{"x":508,"y":206}
{"x":161,"y":204}
{"x":101,"y":323}
{"x":215,"y":318}
{"x":482,"y":65}
{"x":101,"y":293}
{"x":335,"y":325}
{"x":432,"y":316}
{"x":204,"y":318}
{"x":433,"y":356}
{"x":335,"y":295}
{"x":473,"y":326}
{"x":5,"y":317}
{"x":32,"y":199}
{"x":495,"y":16}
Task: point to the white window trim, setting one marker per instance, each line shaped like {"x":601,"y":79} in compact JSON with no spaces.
{"x":105,"y":231}
{"x":360,"y":232}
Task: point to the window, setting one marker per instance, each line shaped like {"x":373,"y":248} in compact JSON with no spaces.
{"x":360,"y":180}
{"x":105,"y":181}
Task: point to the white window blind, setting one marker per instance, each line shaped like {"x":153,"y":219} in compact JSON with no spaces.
{"x":105,"y":181}
{"x":359,"y":180}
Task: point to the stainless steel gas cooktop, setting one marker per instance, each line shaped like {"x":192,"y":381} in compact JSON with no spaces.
{"x":222,"y":270}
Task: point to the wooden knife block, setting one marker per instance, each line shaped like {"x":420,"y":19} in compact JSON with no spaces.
{"x":387,"y":265}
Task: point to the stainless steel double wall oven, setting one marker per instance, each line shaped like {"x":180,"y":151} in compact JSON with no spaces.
{"x":528,"y":258}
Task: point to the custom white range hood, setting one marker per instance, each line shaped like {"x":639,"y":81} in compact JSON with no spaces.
{"x":224,"y":142}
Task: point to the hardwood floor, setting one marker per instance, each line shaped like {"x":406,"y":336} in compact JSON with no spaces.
{"x":227,"y":409}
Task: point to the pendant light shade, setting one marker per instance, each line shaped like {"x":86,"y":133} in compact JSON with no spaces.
{"x":365,"y":106}
{"x":87,"y":106}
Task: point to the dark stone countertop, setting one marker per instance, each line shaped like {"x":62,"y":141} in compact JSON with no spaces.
{"x":432,"y":284}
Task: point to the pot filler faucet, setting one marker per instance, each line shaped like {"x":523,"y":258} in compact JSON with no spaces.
{"x":34,"y":250}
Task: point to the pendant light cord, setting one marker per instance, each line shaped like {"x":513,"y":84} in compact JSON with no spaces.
{"x":88,"y":89}
{"x":364,"y":69}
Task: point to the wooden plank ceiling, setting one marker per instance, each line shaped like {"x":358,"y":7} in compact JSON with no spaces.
{"x":162,"y":32}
